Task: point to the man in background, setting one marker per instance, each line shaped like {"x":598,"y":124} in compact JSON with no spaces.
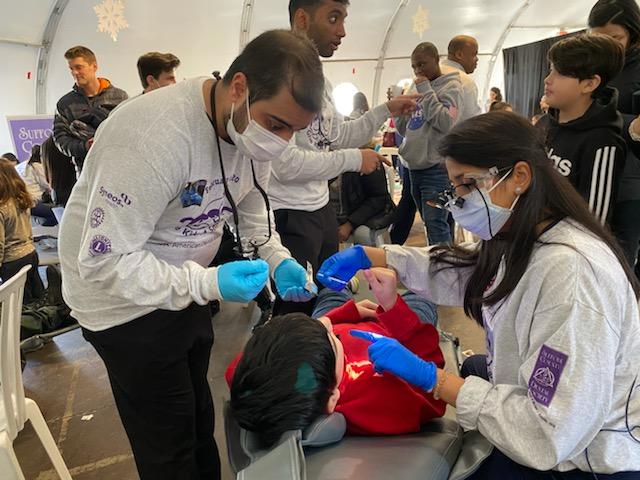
{"x":463,"y":57}
{"x":157,"y":70}
{"x":81,"y":111}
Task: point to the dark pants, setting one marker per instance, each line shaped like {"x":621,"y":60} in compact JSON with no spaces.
{"x":43,"y":210}
{"x":157,"y":367}
{"x":499,"y":466}
{"x":426,"y":184}
{"x":310,"y":237}
{"x":405,"y":213}
{"x":625,"y":225}
{"x":33,"y":288}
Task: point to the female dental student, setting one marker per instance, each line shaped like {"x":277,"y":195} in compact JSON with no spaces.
{"x":558,"y":302}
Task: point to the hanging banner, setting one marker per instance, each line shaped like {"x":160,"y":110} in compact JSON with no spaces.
{"x":27,"y":131}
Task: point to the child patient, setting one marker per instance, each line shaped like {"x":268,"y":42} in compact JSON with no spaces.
{"x":295,"y":368}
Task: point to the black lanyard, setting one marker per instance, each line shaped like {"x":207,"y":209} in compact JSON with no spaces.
{"x":227,"y":193}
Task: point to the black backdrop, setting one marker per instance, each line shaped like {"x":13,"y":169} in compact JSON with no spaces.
{"x":525,"y":68}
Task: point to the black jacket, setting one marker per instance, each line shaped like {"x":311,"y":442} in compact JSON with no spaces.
{"x":78,"y":117}
{"x":363,"y":200}
{"x":627,"y":83}
{"x":590,"y":151}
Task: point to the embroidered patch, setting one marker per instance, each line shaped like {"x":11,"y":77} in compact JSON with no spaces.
{"x":99,"y":246}
{"x":97,"y":217}
{"x":546,"y":375}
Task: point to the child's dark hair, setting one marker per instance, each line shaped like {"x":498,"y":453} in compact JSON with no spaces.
{"x":624,"y":13}
{"x":585,"y":56}
{"x":285,"y":377}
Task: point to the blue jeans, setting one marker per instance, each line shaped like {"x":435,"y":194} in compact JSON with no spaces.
{"x":328,"y":300}
{"x":426,"y":184}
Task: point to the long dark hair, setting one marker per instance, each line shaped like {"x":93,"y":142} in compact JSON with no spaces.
{"x":35,"y":155}
{"x":624,"y":13}
{"x":285,"y":378}
{"x":502,"y":139}
{"x":58,"y":169}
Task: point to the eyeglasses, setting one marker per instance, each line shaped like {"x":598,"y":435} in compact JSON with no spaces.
{"x":454,"y":195}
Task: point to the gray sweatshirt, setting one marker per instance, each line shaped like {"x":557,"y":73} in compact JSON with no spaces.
{"x":437,"y":113}
{"x":563,"y":353}
{"x":325,"y":150}
{"x":146,"y":216}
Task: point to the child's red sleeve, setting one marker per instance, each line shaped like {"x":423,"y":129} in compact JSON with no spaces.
{"x":347,"y":313}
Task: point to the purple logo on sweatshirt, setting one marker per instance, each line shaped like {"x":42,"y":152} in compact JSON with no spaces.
{"x":97,"y":217}
{"x":123,"y":200}
{"x":204,"y":223}
{"x":100,"y":245}
{"x":546,"y":375}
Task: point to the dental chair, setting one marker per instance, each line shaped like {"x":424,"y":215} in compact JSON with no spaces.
{"x":322,"y":452}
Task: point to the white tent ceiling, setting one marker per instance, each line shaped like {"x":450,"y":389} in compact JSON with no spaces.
{"x":206,"y":35}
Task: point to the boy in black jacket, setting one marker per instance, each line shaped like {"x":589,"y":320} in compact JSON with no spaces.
{"x":583,"y":127}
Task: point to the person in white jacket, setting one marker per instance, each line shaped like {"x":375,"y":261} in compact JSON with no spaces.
{"x":558,"y":393}
{"x":145,"y":220}
{"x":32,"y":173}
{"x":329,"y":147}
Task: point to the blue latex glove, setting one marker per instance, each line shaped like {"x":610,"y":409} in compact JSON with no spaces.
{"x":242,"y":281}
{"x":389,"y":355}
{"x":338,"y":269}
{"x":291,"y":280}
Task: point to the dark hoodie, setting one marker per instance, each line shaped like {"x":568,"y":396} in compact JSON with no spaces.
{"x":78,"y":117}
{"x":590,"y":151}
{"x":627,"y":83}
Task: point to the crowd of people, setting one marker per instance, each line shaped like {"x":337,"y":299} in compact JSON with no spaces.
{"x":244,"y":185}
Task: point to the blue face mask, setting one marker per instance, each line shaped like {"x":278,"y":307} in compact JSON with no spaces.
{"x":479,"y":215}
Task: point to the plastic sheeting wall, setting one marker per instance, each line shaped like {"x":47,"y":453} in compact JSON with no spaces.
{"x":205,"y":34}
{"x":17,"y":92}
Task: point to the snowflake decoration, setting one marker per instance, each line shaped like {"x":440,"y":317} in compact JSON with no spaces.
{"x":111,"y":19}
{"x":421,"y":21}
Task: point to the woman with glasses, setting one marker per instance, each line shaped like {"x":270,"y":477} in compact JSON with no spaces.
{"x":557,"y":393}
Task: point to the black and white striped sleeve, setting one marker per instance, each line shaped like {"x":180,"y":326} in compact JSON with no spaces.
{"x":600,"y":177}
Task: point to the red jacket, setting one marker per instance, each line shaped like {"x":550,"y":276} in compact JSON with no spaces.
{"x":375,"y":404}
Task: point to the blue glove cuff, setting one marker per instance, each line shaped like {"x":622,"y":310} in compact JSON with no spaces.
{"x":365,"y":263}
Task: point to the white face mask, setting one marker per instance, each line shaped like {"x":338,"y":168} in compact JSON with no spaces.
{"x":479,"y":215}
{"x":256,"y":142}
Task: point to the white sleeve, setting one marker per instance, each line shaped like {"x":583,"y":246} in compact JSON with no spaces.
{"x":297,"y":165}
{"x":438,"y":283}
{"x":356,"y":133}
{"x":113,"y":253}
{"x":563,"y":395}
{"x":252,"y":214}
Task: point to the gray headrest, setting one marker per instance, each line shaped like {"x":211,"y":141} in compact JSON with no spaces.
{"x":324,"y":431}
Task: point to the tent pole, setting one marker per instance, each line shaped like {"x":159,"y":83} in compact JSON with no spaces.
{"x":43,"y":54}
{"x":500,"y":43}
{"x":245,"y":24}
{"x":383,"y":51}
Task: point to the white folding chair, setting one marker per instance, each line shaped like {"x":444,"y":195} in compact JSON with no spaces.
{"x":15,"y":409}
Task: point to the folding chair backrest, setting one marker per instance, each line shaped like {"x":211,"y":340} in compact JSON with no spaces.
{"x":12,"y":406}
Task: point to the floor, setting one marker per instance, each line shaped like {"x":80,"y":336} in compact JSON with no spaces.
{"x":68,"y":381}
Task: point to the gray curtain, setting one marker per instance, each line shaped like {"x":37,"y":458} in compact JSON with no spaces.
{"x":525,"y":68}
